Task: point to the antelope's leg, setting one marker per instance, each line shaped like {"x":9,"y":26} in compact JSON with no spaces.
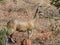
{"x":30,"y":32}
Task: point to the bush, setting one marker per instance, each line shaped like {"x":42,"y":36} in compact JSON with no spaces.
{"x":3,"y":37}
{"x":1,"y":0}
{"x":55,"y":3}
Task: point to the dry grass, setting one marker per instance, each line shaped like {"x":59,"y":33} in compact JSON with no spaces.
{"x":25,"y":10}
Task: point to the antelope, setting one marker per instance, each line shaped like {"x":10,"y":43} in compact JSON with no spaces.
{"x":21,"y":25}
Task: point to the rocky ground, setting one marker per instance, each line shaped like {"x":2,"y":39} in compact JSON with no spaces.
{"x":47,"y":26}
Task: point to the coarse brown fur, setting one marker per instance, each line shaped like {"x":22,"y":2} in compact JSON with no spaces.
{"x":22,"y":25}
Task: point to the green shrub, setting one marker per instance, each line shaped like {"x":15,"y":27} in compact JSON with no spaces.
{"x":54,"y":29}
{"x":55,"y":3}
{"x":4,"y":35}
{"x":1,"y":0}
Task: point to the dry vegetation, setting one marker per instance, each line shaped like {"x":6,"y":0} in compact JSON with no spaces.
{"x":46,"y":28}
